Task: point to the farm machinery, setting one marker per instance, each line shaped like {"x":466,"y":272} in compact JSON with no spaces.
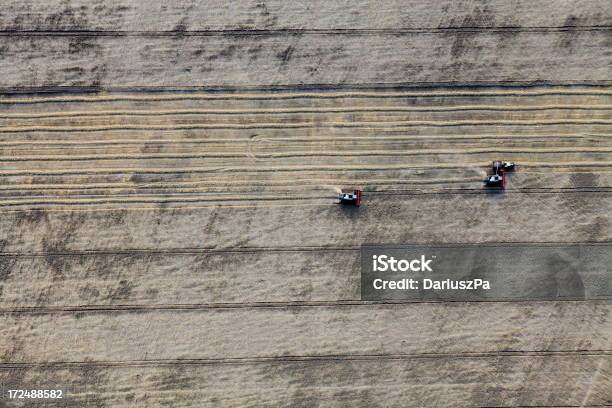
{"x":498,"y":178}
{"x":352,"y":197}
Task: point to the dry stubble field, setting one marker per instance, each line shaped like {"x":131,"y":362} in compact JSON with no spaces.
{"x":181,"y":247}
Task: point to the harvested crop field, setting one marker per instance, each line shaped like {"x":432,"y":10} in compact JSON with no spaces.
{"x":169,"y":234}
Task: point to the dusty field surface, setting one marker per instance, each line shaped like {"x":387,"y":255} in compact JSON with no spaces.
{"x":172,"y":239}
{"x":213,"y":15}
{"x":348,"y":59}
{"x":270,"y":44}
{"x":191,"y":241}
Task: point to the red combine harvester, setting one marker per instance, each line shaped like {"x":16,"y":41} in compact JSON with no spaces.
{"x":498,"y":178}
{"x":352,"y":197}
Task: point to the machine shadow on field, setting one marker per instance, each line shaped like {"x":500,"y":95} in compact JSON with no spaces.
{"x":349,"y":212}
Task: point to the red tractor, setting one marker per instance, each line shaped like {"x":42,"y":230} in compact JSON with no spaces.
{"x":352,"y":197}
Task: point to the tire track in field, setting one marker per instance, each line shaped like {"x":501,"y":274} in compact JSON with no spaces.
{"x":254,"y":201}
{"x":76,"y":196}
{"x":306,"y":358}
{"x":187,"y":95}
{"x":281,"y":32}
{"x":288,"y":248}
{"x":165,"y":207}
{"x":288,"y":189}
{"x":303,"y":304}
{"x":300,"y":153}
{"x":209,"y":195}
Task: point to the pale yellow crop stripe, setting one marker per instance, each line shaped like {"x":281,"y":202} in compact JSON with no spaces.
{"x":281,"y":125}
{"x":158,"y":199}
{"x":272,"y":111}
{"x":315,"y":95}
{"x":302,"y":153}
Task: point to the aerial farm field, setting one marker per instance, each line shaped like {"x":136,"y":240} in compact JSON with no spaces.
{"x":169,"y":233}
